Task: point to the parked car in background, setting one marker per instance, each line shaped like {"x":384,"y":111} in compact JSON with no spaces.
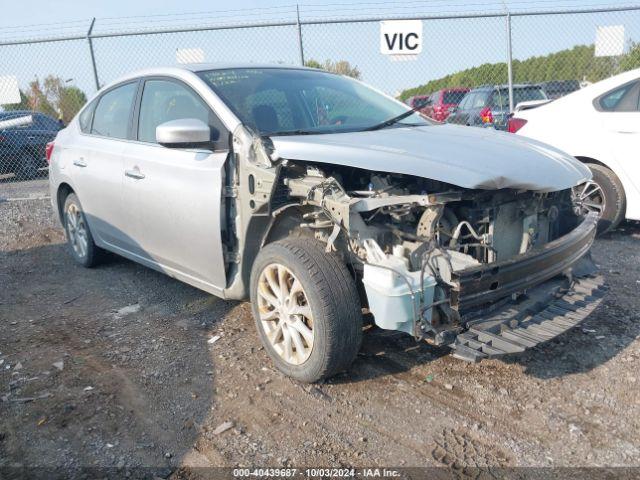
{"x":416,"y":100}
{"x":315,"y":196}
{"x":559,"y":88}
{"x":441,"y":101}
{"x":488,"y":106}
{"x":23,"y":139}
{"x":600,"y":126}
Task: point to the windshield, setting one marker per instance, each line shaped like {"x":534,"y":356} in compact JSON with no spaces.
{"x":281,"y":101}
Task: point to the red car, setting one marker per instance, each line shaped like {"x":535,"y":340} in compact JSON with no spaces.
{"x":441,"y":100}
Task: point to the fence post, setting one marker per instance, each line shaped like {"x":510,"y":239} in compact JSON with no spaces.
{"x":93,"y":57}
{"x":509,"y":62}
{"x":300,"y":47}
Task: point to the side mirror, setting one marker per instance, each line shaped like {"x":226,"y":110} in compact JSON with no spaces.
{"x":184,"y":133}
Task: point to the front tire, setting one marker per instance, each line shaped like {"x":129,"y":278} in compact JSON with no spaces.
{"x":604,"y":195}
{"x":306,"y":308}
{"x":79,"y":239}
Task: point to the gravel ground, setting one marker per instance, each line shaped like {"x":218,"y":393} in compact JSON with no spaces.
{"x":113,"y":367}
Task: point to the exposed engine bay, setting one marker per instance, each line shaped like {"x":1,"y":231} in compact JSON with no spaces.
{"x":407,"y":236}
{"x":430,"y":258}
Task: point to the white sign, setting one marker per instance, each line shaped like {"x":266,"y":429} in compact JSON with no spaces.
{"x":401,"y":37}
{"x":190,"y":55}
{"x":609,"y":41}
{"x":9,"y":91}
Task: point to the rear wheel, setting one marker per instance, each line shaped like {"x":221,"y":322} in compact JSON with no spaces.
{"x":79,"y":238}
{"x":306,"y":308}
{"x":604,"y":194}
{"x":28,"y":168}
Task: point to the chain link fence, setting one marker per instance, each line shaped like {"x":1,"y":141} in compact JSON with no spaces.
{"x":489,"y":60}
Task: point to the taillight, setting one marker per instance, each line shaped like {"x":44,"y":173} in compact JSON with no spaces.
{"x":486,"y":115}
{"x":48,"y":151}
{"x":514,"y":124}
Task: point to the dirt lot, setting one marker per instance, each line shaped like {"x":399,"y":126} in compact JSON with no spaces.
{"x":112,"y":367}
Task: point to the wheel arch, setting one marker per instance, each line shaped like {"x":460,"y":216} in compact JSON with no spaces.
{"x":63,"y":191}
{"x":586,"y":159}
{"x":621,"y":178}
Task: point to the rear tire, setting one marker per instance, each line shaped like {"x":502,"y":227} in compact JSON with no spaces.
{"x":610,"y":197}
{"x":300,"y":292}
{"x":28,"y":168}
{"x":79,"y":239}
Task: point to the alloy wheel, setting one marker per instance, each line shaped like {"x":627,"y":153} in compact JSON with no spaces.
{"x":285,"y":314}
{"x":77,"y":230}
{"x":588,"y":197}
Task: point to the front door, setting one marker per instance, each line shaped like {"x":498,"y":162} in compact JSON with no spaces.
{"x":174,"y":195}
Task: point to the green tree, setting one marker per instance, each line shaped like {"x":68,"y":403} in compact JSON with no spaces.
{"x":632,"y":59}
{"x":38,"y":100}
{"x":70,"y":102}
{"x":52,"y":97}
{"x":341,"y":67}
{"x":577,"y":63}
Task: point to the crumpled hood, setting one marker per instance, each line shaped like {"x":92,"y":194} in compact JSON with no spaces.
{"x":468,"y":157}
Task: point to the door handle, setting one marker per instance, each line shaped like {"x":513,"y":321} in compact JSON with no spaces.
{"x":80,"y":162}
{"x":135,"y":173}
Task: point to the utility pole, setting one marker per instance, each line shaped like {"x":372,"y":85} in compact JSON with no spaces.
{"x":299,"y":35}
{"x":509,"y":62}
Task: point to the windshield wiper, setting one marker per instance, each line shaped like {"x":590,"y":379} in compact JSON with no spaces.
{"x":397,"y":118}
{"x":288,"y":132}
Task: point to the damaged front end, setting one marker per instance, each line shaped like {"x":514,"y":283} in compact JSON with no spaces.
{"x":486,"y":272}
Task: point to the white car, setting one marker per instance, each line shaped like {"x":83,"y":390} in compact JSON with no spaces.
{"x":600,"y":126}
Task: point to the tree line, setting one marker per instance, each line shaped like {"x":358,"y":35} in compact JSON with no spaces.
{"x":577,"y":63}
{"x":52,"y":97}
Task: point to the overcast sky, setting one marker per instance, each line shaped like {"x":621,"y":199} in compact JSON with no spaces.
{"x":448,"y":45}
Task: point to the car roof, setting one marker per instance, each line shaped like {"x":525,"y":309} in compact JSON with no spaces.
{"x":488,"y":88}
{"x":6,"y":113}
{"x":201,"y":67}
{"x":187,"y":69}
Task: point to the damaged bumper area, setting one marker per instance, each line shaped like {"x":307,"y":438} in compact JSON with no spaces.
{"x":548,"y":311}
{"x":486,"y":272}
{"x":548,"y":292}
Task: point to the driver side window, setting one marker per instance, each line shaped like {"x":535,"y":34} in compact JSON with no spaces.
{"x":166,"y":100}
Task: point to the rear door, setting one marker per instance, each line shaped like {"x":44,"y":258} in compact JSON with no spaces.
{"x":173,"y":195}
{"x":97,"y":163}
{"x":619,"y":111}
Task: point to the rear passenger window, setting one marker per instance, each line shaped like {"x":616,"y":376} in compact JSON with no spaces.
{"x":86,"y":116}
{"x":111,"y":118}
{"x":622,"y":99}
